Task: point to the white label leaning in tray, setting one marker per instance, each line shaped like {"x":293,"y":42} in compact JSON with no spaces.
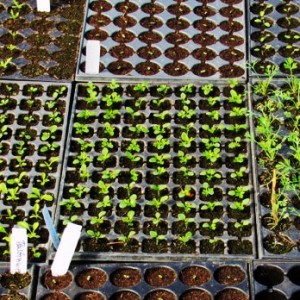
{"x":18,"y":251}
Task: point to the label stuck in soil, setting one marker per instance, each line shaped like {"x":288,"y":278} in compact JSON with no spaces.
{"x":18,"y":251}
{"x":43,"y":5}
{"x":50,"y":226}
{"x":66,"y":249}
{"x":92,"y":57}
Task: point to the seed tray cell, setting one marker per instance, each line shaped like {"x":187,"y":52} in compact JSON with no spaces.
{"x":36,"y":42}
{"x":283,"y":284}
{"x":286,"y":232}
{"x":21,"y":144}
{"x":27,"y":291}
{"x":141,"y":287}
{"x":187,"y":66}
{"x":173,"y":179}
{"x":269,"y":50}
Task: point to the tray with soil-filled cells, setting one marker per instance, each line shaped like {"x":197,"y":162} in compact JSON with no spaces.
{"x":278,"y":280}
{"x":274,"y":28}
{"x":33,"y":119}
{"x":16,"y":286}
{"x":39,"y":45}
{"x":276,"y":145}
{"x":195,"y":280}
{"x":168,"y":41}
{"x":159,"y":170}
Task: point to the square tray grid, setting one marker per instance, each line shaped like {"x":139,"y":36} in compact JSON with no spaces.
{"x":277,"y":279}
{"x":34,"y":157}
{"x":269,"y":41}
{"x":220,"y":67}
{"x":34,"y":38}
{"x":262,"y":193}
{"x":70,"y":173}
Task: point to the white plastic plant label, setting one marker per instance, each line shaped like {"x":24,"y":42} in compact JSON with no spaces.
{"x":66,"y":249}
{"x":92,"y":57}
{"x":18,"y":250}
{"x":43,"y":5}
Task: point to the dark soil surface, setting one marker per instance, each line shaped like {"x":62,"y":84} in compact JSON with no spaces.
{"x":229,"y":275}
{"x":126,"y":277}
{"x":195,"y":276}
{"x":160,"y":276}
{"x":91,"y":278}
{"x":56,"y":282}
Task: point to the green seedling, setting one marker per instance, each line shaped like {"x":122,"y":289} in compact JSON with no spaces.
{"x":157,"y":237}
{"x":210,"y":206}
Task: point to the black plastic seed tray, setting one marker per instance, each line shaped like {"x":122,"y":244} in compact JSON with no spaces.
{"x":28,"y":291}
{"x":201,"y":42}
{"x":33,"y":45}
{"x":110,"y":240}
{"x":276,"y":280}
{"x":280,"y":240}
{"x":30,"y":174}
{"x":274,"y":35}
{"x":174,"y":279}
